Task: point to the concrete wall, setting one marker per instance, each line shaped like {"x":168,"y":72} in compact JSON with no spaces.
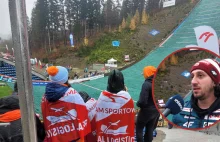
{"x":214,"y":130}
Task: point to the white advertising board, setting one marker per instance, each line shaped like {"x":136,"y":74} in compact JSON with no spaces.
{"x":167,"y":3}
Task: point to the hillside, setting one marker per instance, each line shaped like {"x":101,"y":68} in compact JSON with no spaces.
{"x":136,"y":44}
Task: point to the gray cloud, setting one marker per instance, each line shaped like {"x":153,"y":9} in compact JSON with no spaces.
{"x":5,"y":27}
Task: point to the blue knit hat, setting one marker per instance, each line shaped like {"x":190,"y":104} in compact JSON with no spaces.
{"x":58,"y":74}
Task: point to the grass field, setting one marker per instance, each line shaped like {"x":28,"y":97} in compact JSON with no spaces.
{"x":5,"y":90}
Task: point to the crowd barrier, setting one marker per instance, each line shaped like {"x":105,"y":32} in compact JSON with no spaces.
{"x":6,"y":78}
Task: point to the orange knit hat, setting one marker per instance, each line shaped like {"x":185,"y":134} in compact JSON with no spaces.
{"x":149,"y":71}
{"x":58,"y":74}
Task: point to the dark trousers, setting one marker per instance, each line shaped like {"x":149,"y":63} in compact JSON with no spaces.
{"x":147,"y":118}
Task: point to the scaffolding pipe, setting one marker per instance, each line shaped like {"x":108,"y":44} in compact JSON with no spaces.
{"x":18,"y":17}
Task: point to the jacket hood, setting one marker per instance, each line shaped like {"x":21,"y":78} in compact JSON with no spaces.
{"x":85,"y":96}
{"x":9,"y":103}
{"x":150,"y":78}
{"x":115,"y":82}
{"x":55,"y":91}
{"x":203,"y":112}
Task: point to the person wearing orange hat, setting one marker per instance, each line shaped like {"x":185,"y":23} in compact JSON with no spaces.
{"x":64,"y":112}
{"x":148,"y":114}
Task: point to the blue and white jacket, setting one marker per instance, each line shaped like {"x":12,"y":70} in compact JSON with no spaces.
{"x":190,"y":118}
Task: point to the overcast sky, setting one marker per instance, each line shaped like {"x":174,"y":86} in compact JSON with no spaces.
{"x":5,"y":29}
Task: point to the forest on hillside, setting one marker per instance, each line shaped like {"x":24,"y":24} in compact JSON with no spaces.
{"x":53,"y":21}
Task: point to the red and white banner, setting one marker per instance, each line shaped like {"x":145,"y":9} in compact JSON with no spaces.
{"x":207,"y":38}
{"x":161,"y":103}
{"x":91,"y":107}
{"x":40,"y":64}
{"x":115,"y":116}
{"x":127,"y":58}
{"x":36,"y":61}
{"x":66,"y":119}
{"x":6,"y":46}
{"x":13,"y":51}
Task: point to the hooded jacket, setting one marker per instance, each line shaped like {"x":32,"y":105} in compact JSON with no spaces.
{"x":64,"y":113}
{"x":145,"y":99}
{"x":194,"y":117}
{"x":10,"y":113}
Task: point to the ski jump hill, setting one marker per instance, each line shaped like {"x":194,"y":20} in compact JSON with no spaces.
{"x":206,"y":12}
